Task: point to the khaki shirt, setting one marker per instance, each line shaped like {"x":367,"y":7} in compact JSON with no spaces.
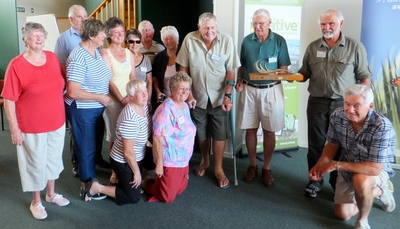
{"x":332,"y":70}
{"x":208,"y":67}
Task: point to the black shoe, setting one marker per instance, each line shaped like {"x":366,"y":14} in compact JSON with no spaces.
{"x":103,"y":164}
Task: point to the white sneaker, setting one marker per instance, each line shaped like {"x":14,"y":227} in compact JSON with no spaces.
{"x":38,"y":211}
{"x":57,"y":199}
{"x":362,"y":225}
{"x":387,"y":196}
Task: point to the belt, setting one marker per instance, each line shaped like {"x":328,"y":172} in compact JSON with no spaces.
{"x":261,"y":86}
{"x":328,"y":99}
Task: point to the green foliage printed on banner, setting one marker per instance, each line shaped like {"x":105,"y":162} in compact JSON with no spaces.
{"x":276,"y":2}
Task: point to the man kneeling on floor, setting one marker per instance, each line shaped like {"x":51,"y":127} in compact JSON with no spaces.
{"x":367,"y":142}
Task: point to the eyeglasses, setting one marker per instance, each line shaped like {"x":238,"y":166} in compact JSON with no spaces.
{"x":133,"y":41}
{"x":258,"y":23}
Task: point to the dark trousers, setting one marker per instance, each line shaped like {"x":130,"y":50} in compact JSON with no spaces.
{"x":318,"y":113}
{"x":72,"y":150}
{"x":88,"y":131}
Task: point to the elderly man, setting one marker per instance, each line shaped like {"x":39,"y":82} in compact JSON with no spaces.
{"x":211,"y":58}
{"x":66,"y":42}
{"x":270,"y":48}
{"x":148,"y":47}
{"x":331,"y":63}
{"x":366,"y":140}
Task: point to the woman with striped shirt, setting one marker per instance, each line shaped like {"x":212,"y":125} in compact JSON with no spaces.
{"x":129,"y":148}
{"x":88,"y":78}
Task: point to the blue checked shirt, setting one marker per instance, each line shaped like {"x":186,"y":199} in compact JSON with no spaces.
{"x":375,"y":142}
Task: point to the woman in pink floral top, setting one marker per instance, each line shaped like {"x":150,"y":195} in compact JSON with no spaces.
{"x":173,"y":140}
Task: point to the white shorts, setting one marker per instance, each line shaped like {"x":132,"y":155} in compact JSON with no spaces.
{"x":261,"y":105}
{"x":110,"y":116}
{"x":344,"y":192}
{"x":40,"y":158}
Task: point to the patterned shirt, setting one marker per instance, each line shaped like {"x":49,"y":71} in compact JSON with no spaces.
{"x":374,"y":142}
{"x":178,"y":132}
{"x":131,"y":126}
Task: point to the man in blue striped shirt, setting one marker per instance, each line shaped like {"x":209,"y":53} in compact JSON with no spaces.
{"x":366,"y":139}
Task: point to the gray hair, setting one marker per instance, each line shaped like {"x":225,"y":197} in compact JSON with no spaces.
{"x":360,"y":89}
{"x":207,"y":16}
{"x":261,"y":12}
{"x":31,"y":26}
{"x":329,"y":12}
{"x":71,"y":11}
{"x":90,"y":28}
{"x":169,"y":30}
{"x":133,"y":85}
{"x":144,"y":22}
{"x":179,"y":77}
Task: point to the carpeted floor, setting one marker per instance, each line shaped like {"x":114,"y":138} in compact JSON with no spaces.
{"x":202,"y":205}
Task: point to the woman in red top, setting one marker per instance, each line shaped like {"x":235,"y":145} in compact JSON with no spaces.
{"x":34,"y":105}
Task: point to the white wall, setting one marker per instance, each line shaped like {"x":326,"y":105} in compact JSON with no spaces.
{"x":230,"y":12}
{"x":59,"y":8}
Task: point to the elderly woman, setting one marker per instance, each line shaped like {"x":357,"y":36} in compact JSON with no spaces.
{"x":173,"y":140}
{"x":164,"y":66}
{"x":88,"y":78}
{"x":121,"y":62}
{"x":33,"y":94}
{"x":128,"y":151}
{"x":142,"y":62}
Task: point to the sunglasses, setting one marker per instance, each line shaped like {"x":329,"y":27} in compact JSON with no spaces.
{"x":133,"y":41}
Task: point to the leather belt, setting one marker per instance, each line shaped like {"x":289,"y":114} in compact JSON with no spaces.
{"x":261,"y":86}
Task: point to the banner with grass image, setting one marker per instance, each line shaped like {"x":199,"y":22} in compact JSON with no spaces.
{"x":286,"y":21}
{"x":382,"y":42}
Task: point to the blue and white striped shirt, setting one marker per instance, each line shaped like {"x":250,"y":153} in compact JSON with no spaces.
{"x":131,"y":126}
{"x":374,"y":142}
{"x":91,"y":72}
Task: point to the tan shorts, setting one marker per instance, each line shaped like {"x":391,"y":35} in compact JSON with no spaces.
{"x":261,"y":105}
{"x":40,"y":158}
{"x":344,"y":192}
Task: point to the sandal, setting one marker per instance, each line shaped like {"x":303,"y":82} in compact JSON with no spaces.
{"x":85,"y":193}
{"x":200,"y":171}
{"x":221,"y":182}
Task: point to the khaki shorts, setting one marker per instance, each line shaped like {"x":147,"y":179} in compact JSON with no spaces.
{"x":344,"y":192}
{"x":40,"y":158}
{"x":261,"y":105}
{"x":210,"y":122}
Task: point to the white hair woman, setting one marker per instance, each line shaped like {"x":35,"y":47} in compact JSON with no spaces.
{"x":33,"y":93}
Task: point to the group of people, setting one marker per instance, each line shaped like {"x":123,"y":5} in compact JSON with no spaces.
{"x":155,"y":99}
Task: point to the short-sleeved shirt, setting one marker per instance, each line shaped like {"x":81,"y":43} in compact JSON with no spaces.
{"x":208,"y":67}
{"x":272,"y":54}
{"x":91,"y":72}
{"x":332,"y":70}
{"x":154,"y":49}
{"x":178,"y":132}
{"x":120,"y":72}
{"x":374,"y":142}
{"x":37,"y":92}
{"x":143,"y":68}
{"x":131,"y":126}
{"x":66,"y":42}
